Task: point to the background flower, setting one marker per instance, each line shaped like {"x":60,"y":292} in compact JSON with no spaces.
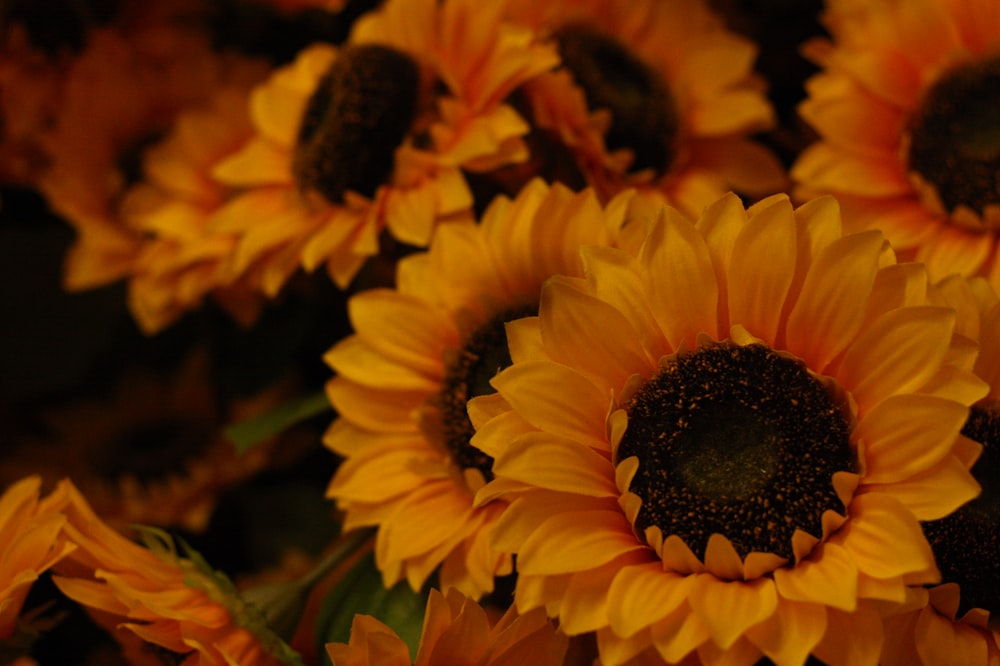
{"x":903,"y":108}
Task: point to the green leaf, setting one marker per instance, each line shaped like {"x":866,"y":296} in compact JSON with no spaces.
{"x":362,"y":592}
{"x":247,"y":434}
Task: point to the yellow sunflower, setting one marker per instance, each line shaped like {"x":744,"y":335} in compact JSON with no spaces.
{"x":720,"y":446}
{"x":168,"y":600}
{"x":905,"y":108}
{"x":654,"y":95}
{"x":180,"y":260}
{"x":456,"y":631}
{"x":956,"y":622}
{"x":29,"y":534}
{"x":375,"y":136}
{"x":418,"y":353}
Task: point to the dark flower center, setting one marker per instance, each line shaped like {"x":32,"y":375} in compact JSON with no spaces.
{"x":361,"y":111}
{"x":966,"y":544}
{"x":643,"y":113}
{"x":484,"y":354}
{"x":955,"y":136}
{"x":739,"y":441}
{"x":152,"y":451}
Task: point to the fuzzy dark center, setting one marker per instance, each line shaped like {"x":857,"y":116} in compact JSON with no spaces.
{"x":644,"y":116}
{"x":738,"y":441}
{"x":966,"y":544}
{"x":361,"y":111}
{"x":955,"y":143}
{"x":484,"y":354}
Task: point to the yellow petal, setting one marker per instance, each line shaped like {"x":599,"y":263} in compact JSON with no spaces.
{"x":577,"y":541}
{"x":587,"y":333}
{"x":899,"y":353}
{"x":556,"y":399}
{"x":828,"y":576}
{"x":883,"y":538}
{"x":831,"y":304}
{"x":642,"y":595}
{"x":791,"y":634}
{"x":905,"y":435}
{"x":557,"y":464}
{"x":680,"y":279}
{"x":729,"y":608}
{"x":757,"y":288}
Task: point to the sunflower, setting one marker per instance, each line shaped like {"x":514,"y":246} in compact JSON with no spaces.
{"x":375,"y":136}
{"x":720,"y":446}
{"x":955,"y":622}
{"x":172,"y":602}
{"x":654,"y":95}
{"x":123,"y":90}
{"x":456,"y":630}
{"x":148,"y":453}
{"x":418,"y":353}
{"x":179,"y":260}
{"x":30,"y":533}
{"x":905,"y":108}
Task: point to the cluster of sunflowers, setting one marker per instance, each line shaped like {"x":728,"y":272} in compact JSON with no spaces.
{"x":604,"y":353}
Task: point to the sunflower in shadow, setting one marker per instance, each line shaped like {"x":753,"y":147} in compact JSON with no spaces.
{"x":124,"y":89}
{"x":151,"y":452}
{"x":721,"y":447}
{"x":419,"y":353}
{"x":906,"y":108}
{"x":658,"y":96}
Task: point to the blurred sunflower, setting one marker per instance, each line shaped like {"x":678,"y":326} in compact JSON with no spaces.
{"x":180,"y":260}
{"x":720,"y":447}
{"x":456,"y":631}
{"x":654,"y":95}
{"x":30,"y":537}
{"x":122,"y":91}
{"x":150,"y":453}
{"x":30,"y":82}
{"x":906,"y":108}
{"x":174,"y":603}
{"x":419,"y":352}
{"x":375,"y":136}
{"x":956,"y":622}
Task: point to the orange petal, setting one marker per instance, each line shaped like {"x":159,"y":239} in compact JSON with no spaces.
{"x":757,"y":289}
{"x":898,"y":353}
{"x":557,"y":464}
{"x":577,"y":541}
{"x":883,"y":538}
{"x":790,"y":635}
{"x":828,"y":576}
{"x":587,"y":333}
{"x":905,"y":435}
{"x":831,"y":304}
{"x":680,"y":279}
{"x":556,"y":399}
{"x":729,"y":608}
{"x":642,"y":595}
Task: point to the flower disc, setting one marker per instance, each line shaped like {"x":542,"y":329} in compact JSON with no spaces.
{"x":738,"y":441}
{"x":955,"y":137}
